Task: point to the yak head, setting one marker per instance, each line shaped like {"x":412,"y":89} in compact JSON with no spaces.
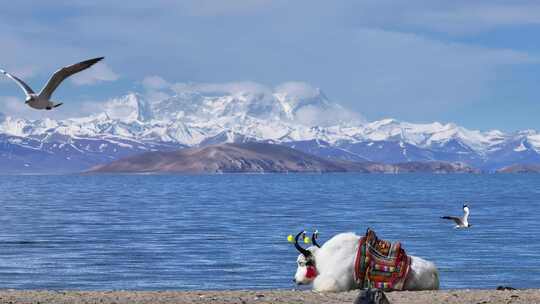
{"x":306,"y":271}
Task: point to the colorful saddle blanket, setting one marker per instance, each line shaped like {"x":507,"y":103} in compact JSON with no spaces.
{"x":380,"y":264}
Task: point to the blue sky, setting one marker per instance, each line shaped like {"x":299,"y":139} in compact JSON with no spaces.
{"x":475,"y":63}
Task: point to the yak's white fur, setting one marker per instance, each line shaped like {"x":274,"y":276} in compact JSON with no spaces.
{"x":335,"y":265}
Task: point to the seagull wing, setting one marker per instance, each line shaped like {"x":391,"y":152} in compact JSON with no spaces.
{"x":454,"y":218}
{"x":64,"y":73}
{"x":26,"y":88}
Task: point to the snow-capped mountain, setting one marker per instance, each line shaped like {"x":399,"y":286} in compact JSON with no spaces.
{"x":306,"y":120}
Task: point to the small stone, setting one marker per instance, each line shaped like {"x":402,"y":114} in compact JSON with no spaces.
{"x":371,"y":296}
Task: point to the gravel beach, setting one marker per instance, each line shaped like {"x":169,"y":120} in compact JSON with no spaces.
{"x":529,"y":296}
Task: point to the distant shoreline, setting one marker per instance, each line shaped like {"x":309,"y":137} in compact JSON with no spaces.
{"x":265,"y":296}
{"x":282,"y":173}
{"x":256,"y":173}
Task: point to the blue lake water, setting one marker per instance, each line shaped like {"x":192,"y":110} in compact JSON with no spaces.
{"x":229,"y":231}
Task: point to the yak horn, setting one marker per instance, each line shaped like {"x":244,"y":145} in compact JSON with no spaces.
{"x":314,"y":237}
{"x":306,"y":253}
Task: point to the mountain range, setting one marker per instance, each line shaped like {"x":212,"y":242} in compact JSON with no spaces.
{"x":307,"y":121}
{"x":258,"y":157}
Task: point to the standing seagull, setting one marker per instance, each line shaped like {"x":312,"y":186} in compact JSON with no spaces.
{"x":461,"y":222}
{"x":42,"y":100}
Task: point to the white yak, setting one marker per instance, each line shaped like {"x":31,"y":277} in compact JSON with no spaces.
{"x":330,"y":267}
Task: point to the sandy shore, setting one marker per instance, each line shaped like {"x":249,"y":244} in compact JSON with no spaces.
{"x":267,"y":296}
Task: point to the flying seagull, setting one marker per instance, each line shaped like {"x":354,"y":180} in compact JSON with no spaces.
{"x":42,"y":100}
{"x":461,"y":222}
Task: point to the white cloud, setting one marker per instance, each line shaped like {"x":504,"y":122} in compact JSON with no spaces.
{"x":156,"y":95}
{"x":156,"y":88}
{"x":199,"y":8}
{"x":474,"y":17}
{"x":155,"y":83}
{"x":89,"y":107}
{"x":241,"y":87}
{"x":229,"y":7}
{"x":297,"y":89}
{"x":324,"y":114}
{"x":13,"y":105}
{"x":95,"y":74}
{"x":331,"y":116}
{"x":454,"y":17}
{"x":413,"y":77}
